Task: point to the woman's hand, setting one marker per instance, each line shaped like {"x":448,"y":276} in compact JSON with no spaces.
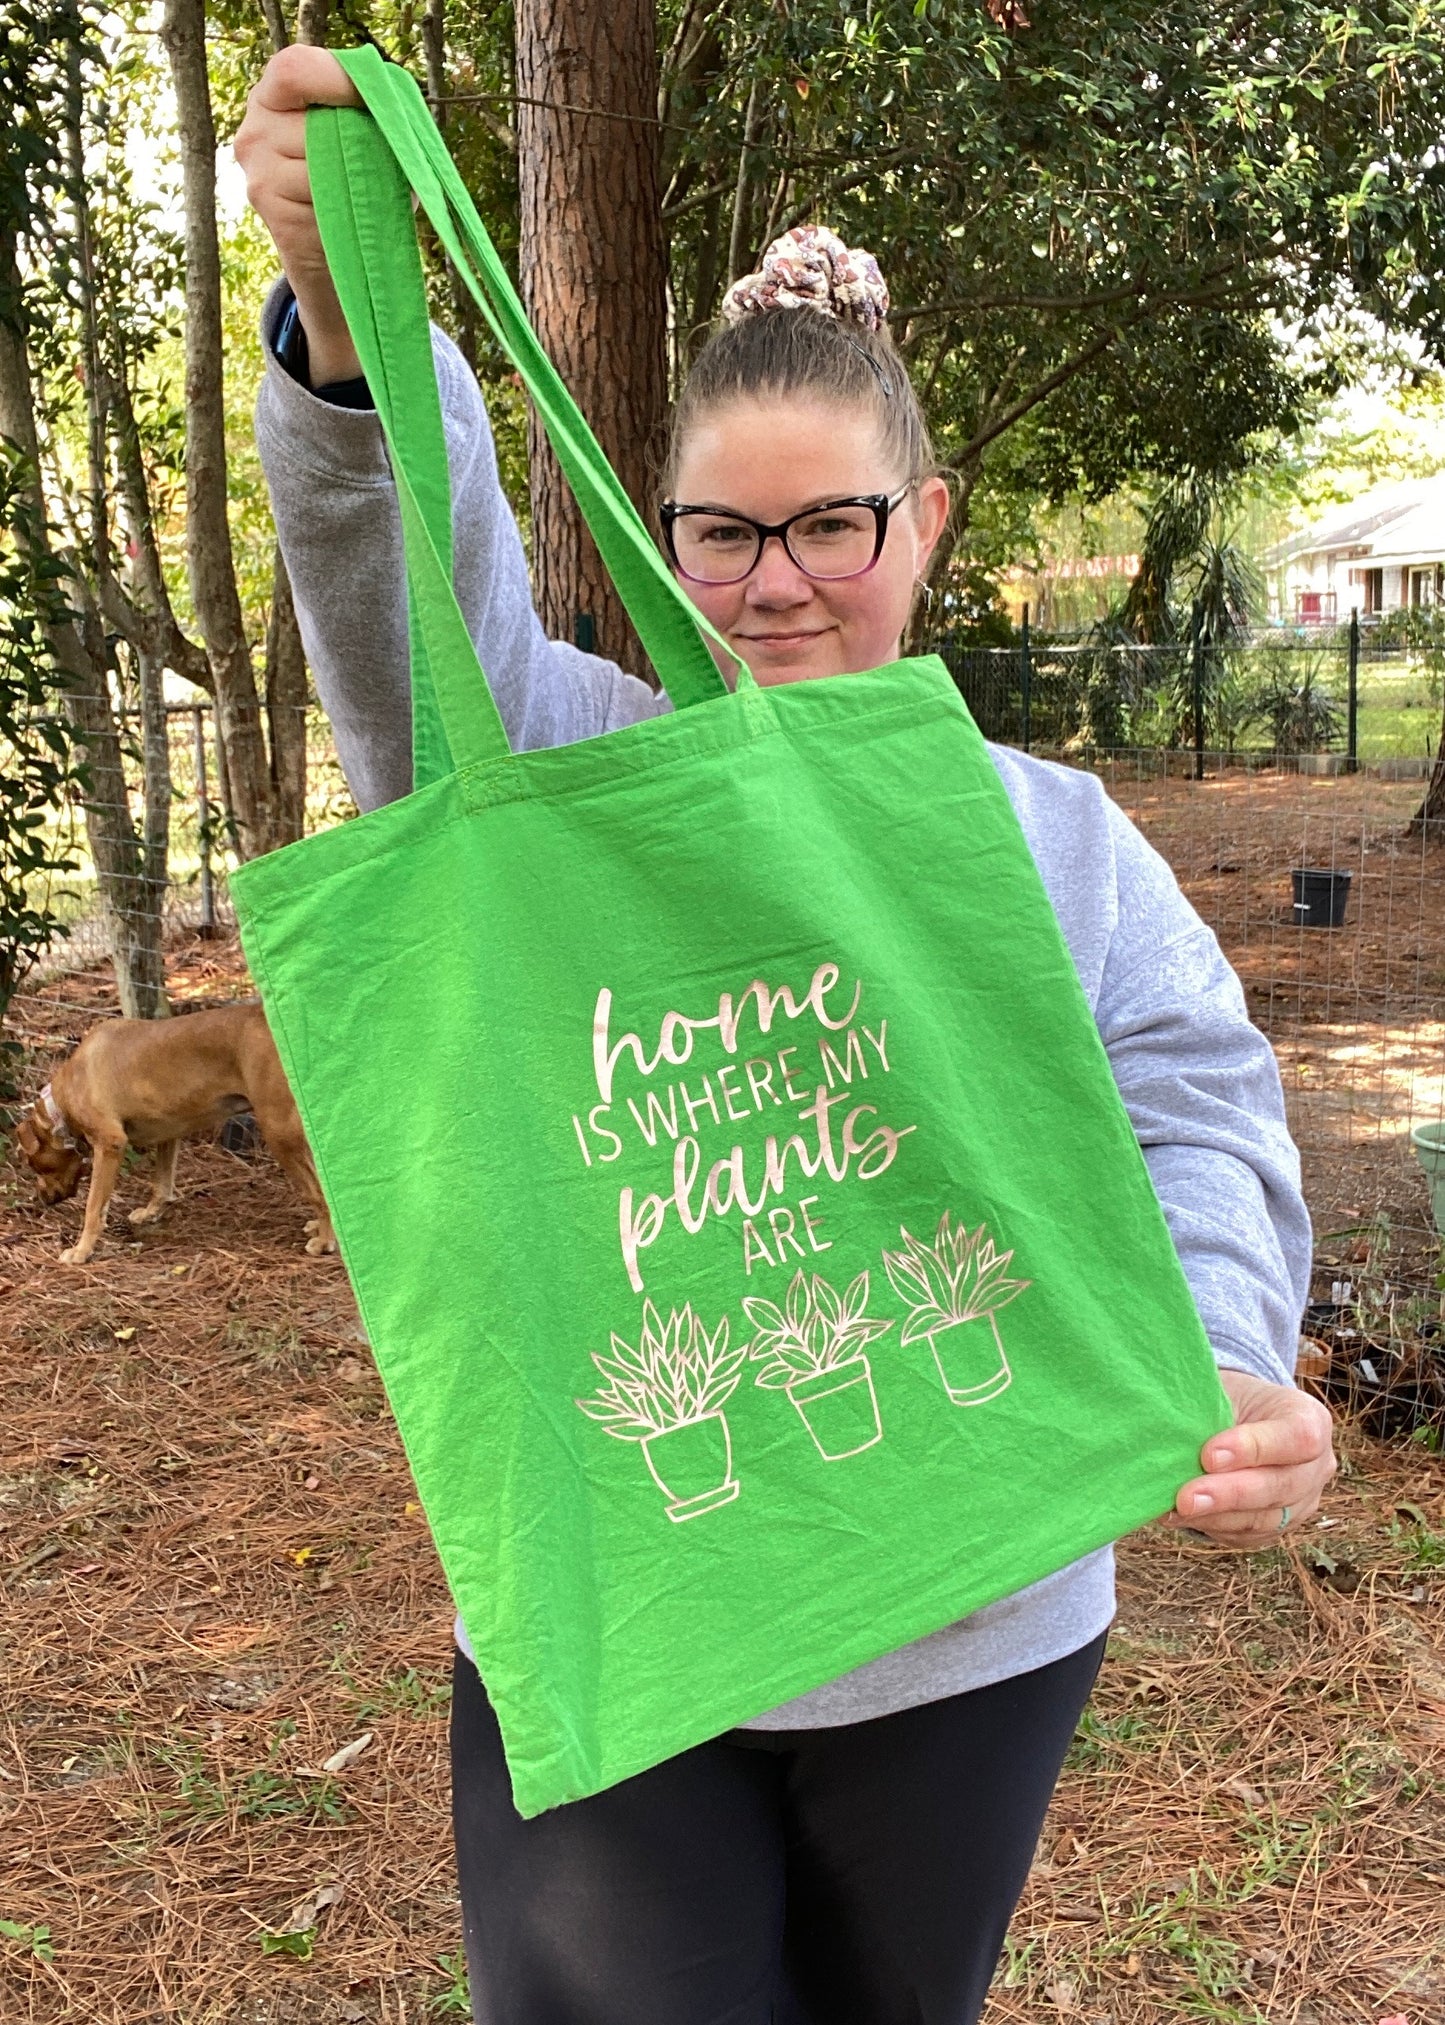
{"x":271,"y":147}
{"x":1276,"y":1459}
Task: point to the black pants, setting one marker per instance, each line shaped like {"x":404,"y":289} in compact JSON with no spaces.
{"x":862,"y":1875}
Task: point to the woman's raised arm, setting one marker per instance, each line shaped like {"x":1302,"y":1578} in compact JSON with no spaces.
{"x":336,"y":510}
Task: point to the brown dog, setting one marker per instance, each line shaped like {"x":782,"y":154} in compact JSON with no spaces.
{"x":155,"y":1083}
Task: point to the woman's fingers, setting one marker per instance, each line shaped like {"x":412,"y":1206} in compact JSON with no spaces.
{"x":1288,"y":1427}
{"x":1277,"y":1457}
{"x":1248,"y":1491}
{"x":271,"y":148}
{"x":302,"y":76}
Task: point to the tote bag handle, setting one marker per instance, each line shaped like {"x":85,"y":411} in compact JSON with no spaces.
{"x":363,"y":168}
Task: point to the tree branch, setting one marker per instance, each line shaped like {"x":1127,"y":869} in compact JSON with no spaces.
{"x":977,"y":444}
{"x":1105,"y":299}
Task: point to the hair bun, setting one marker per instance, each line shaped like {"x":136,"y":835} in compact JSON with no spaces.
{"x":811,"y":268}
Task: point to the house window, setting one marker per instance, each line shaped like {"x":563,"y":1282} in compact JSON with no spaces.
{"x":1374,"y":582}
{"x":1422,"y":588}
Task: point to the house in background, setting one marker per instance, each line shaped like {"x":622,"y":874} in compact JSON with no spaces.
{"x":1382,"y":551}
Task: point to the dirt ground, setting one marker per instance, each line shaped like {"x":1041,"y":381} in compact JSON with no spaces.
{"x":216,"y":1576}
{"x":1356,"y":1014}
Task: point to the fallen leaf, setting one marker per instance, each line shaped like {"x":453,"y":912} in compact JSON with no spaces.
{"x":125,"y":1335}
{"x":342,"y":1760}
{"x":412,"y":1508}
{"x":313,"y":1483}
{"x":1063,"y":1992}
{"x":1242,"y":1790}
{"x":305,"y":1917}
{"x":301,"y":1946}
{"x":1395,"y":2018}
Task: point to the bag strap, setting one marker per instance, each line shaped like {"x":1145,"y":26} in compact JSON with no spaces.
{"x":363,"y":167}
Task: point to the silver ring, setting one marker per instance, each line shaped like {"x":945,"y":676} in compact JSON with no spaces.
{"x":1283,"y":1517}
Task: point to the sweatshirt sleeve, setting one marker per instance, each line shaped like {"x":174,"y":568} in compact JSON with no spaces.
{"x":1202,"y":1088}
{"x":339,"y":528}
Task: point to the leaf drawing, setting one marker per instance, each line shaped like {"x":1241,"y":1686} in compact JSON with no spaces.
{"x":676,"y":1374}
{"x":960,"y":1277}
{"x":816,"y":1330}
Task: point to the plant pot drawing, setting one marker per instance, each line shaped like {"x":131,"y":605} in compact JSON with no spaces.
{"x":812,"y":1349}
{"x":954,"y":1287}
{"x":692,"y":1466}
{"x":971,"y":1361}
{"x":668,"y":1395}
{"x":839,"y":1408}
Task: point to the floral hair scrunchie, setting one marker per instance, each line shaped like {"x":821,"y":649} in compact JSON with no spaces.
{"x":811,"y":268}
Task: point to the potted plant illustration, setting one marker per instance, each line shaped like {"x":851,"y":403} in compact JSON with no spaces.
{"x":812,"y":1348}
{"x":955,"y":1288}
{"x":668,"y":1394}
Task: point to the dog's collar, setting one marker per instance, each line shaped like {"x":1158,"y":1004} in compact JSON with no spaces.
{"x":56,"y":1118}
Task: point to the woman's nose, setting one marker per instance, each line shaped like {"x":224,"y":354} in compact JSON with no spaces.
{"x":776,"y":578}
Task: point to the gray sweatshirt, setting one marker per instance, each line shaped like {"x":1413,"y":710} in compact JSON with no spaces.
{"x":1199,"y":1081}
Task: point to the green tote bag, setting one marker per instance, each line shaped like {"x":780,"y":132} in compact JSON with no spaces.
{"x":757,"y":1253}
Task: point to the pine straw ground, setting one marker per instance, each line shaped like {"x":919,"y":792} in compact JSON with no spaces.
{"x":215,"y":1576}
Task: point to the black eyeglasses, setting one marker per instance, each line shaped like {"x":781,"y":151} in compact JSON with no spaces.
{"x":840,"y":538}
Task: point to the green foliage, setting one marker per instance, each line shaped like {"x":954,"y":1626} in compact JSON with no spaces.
{"x":1292,"y":702}
{"x":39,"y":758}
{"x":454,"y":1999}
{"x":31,"y":1941}
{"x":262,"y":1794}
{"x":1116,"y":181}
{"x":408,"y":1693}
{"x":300,"y":1946}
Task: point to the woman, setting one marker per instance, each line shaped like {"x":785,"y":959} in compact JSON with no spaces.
{"x":856,"y":1854}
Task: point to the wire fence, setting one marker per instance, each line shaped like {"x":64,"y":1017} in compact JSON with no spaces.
{"x":1333,"y":706}
{"x":192,"y":896}
{"x":1330,"y":906}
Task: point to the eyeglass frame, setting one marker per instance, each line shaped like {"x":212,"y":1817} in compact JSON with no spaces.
{"x":881,"y":504}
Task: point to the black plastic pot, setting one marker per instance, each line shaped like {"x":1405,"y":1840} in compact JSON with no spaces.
{"x":1320,"y":898}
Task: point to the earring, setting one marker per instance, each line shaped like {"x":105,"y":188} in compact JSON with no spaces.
{"x":927,"y":590}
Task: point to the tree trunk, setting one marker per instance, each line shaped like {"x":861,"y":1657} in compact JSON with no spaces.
{"x":156,"y":766}
{"x":1429,"y":818}
{"x":286,"y":708}
{"x":594,"y":270}
{"x":134,"y":931}
{"x":208,"y":533}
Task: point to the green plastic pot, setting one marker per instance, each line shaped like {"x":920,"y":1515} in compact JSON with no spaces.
{"x":1429,"y":1144}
